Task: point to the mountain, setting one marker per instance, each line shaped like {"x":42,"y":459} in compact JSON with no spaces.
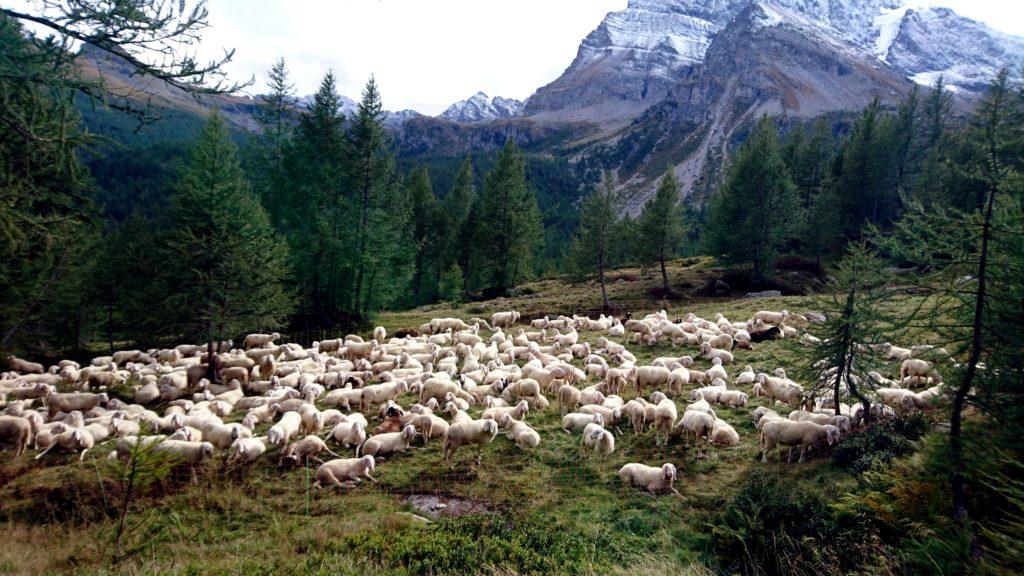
{"x":481,"y":107}
{"x":632,"y":60}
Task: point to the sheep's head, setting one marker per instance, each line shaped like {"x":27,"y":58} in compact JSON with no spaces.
{"x":668,"y":471}
{"x":506,"y":421}
{"x":490,"y":426}
{"x":368,"y":463}
{"x":599,"y":419}
{"x":831,"y":434}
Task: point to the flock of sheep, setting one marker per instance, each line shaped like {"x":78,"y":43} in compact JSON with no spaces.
{"x":318,"y":401}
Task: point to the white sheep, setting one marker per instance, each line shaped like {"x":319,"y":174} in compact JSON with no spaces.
{"x":468,"y":432}
{"x":387,"y":444}
{"x":723,"y":434}
{"x":517,"y":412}
{"x":17,"y":431}
{"x":707,"y":351}
{"x":281,"y":433}
{"x":790,"y":433}
{"x":665,"y":414}
{"x":697,"y":424}
{"x":72,"y":440}
{"x":576,"y":422}
{"x":247,"y":450}
{"x":519,"y":432}
{"x":649,"y":478}
{"x":349,"y":433}
{"x":344,"y":471}
{"x":599,"y":441}
{"x":309,"y":447}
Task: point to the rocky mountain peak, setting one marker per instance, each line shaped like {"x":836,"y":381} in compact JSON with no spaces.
{"x":480,"y":107}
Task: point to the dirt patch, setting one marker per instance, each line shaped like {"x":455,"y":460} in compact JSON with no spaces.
{"x":441,"y":505}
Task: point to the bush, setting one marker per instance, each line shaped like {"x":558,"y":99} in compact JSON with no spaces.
{"x":879,"y":443}
{"x":483,"y":545}
{"x":770,"y":527}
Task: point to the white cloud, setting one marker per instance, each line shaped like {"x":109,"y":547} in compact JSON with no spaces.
{"x":424,"y":54}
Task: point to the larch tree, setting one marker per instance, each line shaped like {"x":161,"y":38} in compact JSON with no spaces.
{"x":600,"y":225}
{"x":275,"y":114}
{"x":509,"y":231}
{"x":758,"y":208}
{"x":225,"y":261}
{"x":426,"y":223}
{"x":660,"y":227}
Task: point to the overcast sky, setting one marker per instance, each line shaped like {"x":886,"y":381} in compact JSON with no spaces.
{"x":427,"y":54}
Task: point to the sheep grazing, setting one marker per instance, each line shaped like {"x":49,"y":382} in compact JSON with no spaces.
{"x":349,"y":433}
{"x":576,"y":422}
{"x":917,"y":368}
{"x":599,"y":441}
{"x":518,"y":412}
{"x":723,"y":434}
{"x":773,"y":318}
{"x":259,"y":340}
{"x":16,"y":364}
{"x":247,"y":450}
{"x":653,"y":480}
{"x":519,"y":432}
{"x":71,"y":401}
{"x":468,"y":432}
{"x":305,"y":449}
{"x":504,"y":319}
{"x":345,"y":471}
{"x":665,"y":414}
{"x":383,"y":445}
{"x":697,"y":424}
{"x":72,"y":440}
{"x":16,"y":431}
{"x":789,"y":433}
{"x":287,"y":427}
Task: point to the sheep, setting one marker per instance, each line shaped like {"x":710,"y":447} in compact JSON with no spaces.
{"x":68,"y":402}
{"x":343,"y":397}
{"x":224,"y":435}
{"x":575,"y":421}
{"x":599,"y":441}
{"x":301,"y":451}
{"x":345,"y":471}
{"x":890,"y":352}
{"x":187,"y":433}
{"x":789,"y":433}
{"x":259,"y":340}
{"x":349,"y":433}
{"x":656,"y":376}
{"x":524,"y":388}
{"x":568,"y":397}
{"x":23,"y":366}
{"x":722,"y":434}
{"x":917,"y":368}
{"x":649,"y":478}
{"x":17,"y":431}
{"x":429,"y":426}
{"x":192,"y":454}
{"x":780,"y":389}
{"x":841,"y":422}
{"x":247,"y":450}
{"x":636,"y":411}
{"x":504,"y":319}
{"x":72,"y":440}
{"x":747,"y":376}
{"x":519,"y":432}
{"x":281,"y":433}
{"x":773,"y":318}
{"x":732,"y":398}
{"x":698,"y":424}
{"x":900,"y":398}
{"x":665,"y":414}
{"x":468,"y":432}
{"x":724,"y":356}
{"x":717,"y":370}
{"x":388,"y":443}
{"x":438,"y":388}
{"x":380,"y":393}
{"x":517,"y":412}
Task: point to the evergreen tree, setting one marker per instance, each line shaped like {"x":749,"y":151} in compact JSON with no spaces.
{"x":854,"y":319}
{"x":314,"y":206}
{"x":600,"y":219}
{"x":450,"y":285}
{"x":975,"y":285}
{"x":428,"y":245}
{"x":227,"y":265}
{"x":509,"y":229}
{"x":275,"y":115}
{"x":380,"y":258}
{"x":866,"y":178}
{"x":456,"y":213}
{"x":758,"y":207}
{"x":930,"y":181}
{"x":660,"y":228}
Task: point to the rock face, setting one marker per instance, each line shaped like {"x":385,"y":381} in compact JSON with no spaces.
{"x":634,"y":58}
{"x":480,"y":107}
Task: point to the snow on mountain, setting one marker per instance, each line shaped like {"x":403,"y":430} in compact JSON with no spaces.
{"x":480,"y":107}
{"x":634,"y":57}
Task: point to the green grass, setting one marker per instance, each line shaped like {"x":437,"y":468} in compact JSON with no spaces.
{"x":258,"y":521}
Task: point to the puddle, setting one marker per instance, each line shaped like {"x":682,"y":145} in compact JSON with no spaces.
{"x":441,"y":505}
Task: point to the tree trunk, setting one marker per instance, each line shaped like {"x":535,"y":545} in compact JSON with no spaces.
{"x":664,"y":278}
{"x":604,"y":291}
{"x":956,"y":442}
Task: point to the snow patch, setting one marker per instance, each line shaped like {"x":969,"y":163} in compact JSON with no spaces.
{"x":949,"y":78}
{"x":887,"y":25}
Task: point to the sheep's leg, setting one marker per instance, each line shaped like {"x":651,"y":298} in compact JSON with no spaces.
{"x":82,"y":455}
{"x":48,"y":448}
{"x":371,"y":478}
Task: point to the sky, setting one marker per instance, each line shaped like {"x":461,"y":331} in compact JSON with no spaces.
{"x":428,"y":54}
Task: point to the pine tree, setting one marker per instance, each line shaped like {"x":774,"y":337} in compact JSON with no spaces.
{"x":975,"y":283}
{"x":866,"y":178}
{"x":660,"y":228}
{"x":854,"y":319}
{"x":600,"y":221}
{"x":450,"y":285}
{"x":228,"y":265}
{"x":380,"y":257}
{"x":314,"y":206}
{"x":509,"y":229}
{"x":758,"y":207}
{"x":456,"y":208}
{"x":275,"y":115}
{"x":426,"y":221}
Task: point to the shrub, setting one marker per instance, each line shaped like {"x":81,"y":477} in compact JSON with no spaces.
{"x":879,"y":443}
{"x":770,"y":527}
